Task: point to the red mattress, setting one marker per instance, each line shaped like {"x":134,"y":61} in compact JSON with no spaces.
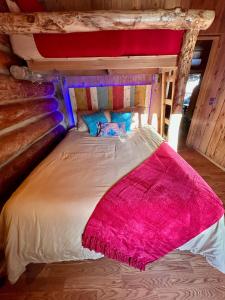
{"x":104,"y":43}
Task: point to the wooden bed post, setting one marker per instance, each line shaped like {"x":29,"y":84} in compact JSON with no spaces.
{"x":184,"y":66}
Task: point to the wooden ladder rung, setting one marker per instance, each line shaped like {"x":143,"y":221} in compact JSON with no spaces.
{"x":167,"y":121}
{"x":170,"y":79}
{"x":168,"y":102}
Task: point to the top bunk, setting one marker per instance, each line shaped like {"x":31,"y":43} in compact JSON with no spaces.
{"x":83,"y":42}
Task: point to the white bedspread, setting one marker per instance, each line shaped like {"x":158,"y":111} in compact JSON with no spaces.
{"x":44,"y":219}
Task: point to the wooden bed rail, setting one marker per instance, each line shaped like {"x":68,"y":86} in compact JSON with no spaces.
{"x":66,"y":22}
{"x":104,"y":63}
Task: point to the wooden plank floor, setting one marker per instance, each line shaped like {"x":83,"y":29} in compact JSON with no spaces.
{"x":174,"y":277}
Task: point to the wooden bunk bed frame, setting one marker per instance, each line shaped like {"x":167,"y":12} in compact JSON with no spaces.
{"x":174,"y":69}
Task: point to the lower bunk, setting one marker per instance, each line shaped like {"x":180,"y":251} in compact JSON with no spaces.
{"x":44,"y":220}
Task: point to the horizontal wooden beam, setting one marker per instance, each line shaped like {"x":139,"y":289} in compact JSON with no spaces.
{"x":109,"y":80}
{"x":25,"y":73}
{"x":51,"y":76}
{"x":168,"y":102}
{"x":102,"y":63}
{"x":167,"y":121}
{"x":65,"y":22}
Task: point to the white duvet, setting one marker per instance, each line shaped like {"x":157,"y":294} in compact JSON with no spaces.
{"x":44,"y":219}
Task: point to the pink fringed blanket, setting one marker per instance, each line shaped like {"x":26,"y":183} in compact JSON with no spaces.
{"x":156,"y":208}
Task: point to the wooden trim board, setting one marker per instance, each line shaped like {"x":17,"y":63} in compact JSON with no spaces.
{"x":102,"y":63}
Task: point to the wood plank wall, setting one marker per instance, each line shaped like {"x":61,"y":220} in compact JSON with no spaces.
{"x":207,"y":131}
{"x":31,"y":124}
{"x":61,"y":5}
{"x":6,"y":56}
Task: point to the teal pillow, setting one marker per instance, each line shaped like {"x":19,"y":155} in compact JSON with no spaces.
{"x":92,"y":121}
{"x":122,"y":117}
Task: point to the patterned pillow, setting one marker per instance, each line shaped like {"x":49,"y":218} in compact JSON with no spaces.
{"x":92,"y":121}
{"x":111,"y":129}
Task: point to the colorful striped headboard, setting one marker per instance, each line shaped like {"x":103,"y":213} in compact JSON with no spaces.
{"x":110,"y":97}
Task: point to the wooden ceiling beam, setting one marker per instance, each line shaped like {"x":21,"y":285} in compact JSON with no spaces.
{"x":24,"y":73}
{"x":102,"y":63}
{"x":67,"y":22}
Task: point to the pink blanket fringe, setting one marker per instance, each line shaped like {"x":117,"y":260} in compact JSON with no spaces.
{"x":154,"y":209}
{"x":93,"y":243}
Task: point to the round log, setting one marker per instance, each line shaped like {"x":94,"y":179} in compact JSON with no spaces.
{"x":11,"y":114}
{"x":65,"y":22}
{"x":12,"y":174}
{"x":16,"y":141}
{"x":11,"y":89}
{"x":184,"y":65}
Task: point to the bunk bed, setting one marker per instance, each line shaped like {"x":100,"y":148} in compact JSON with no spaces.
{"x":45,"y":218}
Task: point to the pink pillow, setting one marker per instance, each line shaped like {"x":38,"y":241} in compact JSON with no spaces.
{"x":111,"y":129}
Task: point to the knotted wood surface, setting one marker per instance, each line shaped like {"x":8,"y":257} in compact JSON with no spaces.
{"x":73,"y":21}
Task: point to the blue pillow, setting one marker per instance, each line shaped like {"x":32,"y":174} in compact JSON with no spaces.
{"x":122,"y":117}
{"x":92,"y":121}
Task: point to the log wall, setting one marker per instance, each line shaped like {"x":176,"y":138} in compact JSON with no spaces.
{"x":31,"y":123}
{"x":30,"y":126}
{"x":6,"y":56}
